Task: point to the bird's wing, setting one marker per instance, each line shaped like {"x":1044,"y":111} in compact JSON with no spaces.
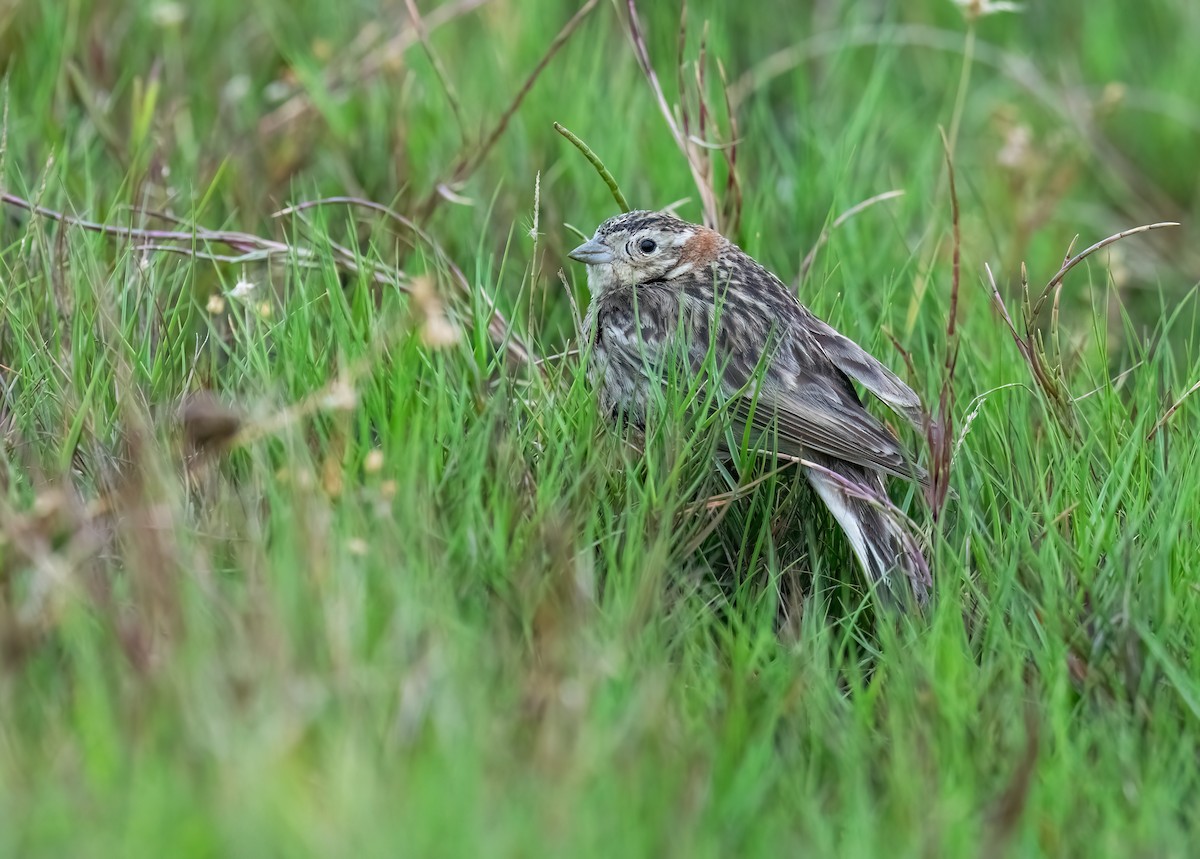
{"x":804,"y":399}
{"x":861,"y":366}
{"x":806,"y":420}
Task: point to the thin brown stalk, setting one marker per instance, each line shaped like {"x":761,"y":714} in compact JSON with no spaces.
{"x":722,"y":499}
{"x":1046,"y":378}
{"x":957,"y":259}
{"x":250,"y":247}
{"x":733,"y":184}
{"x":1005,"y":813}
{"x":811,"y":256}
{"x":388,"y":212}
{"x":681,"y":64}
{"x":576,"y":318}
{"x":998,"y":300}
{"x":1086,"y":252}
{"x":438,"y":67}
{"x":1171,"y":411}
{"x":231,"y":238}
{"x":167,"y":217}
{"x":4,"y":134}
{"x":557,"y":356}
{"x":939,"y":432}
{"x":700,"y":536}
{"x":708,"y":200}
{"x":232,"y":259}
{"x":701,"y":87}
{"x":469,"y":162}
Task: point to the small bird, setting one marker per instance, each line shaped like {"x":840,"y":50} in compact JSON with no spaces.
{"x":664,"y":290}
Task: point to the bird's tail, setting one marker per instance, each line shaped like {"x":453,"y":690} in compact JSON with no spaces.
{"x":882,"y":540}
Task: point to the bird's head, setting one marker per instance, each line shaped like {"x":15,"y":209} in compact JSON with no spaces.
{"x":645,"y":247}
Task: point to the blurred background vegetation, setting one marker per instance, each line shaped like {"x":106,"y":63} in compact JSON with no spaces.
{"x":1074,"y":119}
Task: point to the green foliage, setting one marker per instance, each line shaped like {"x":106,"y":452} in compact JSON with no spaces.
{"x":423,"y":602}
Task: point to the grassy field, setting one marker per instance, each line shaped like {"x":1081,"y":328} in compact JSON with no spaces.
{"x":395,"y":590}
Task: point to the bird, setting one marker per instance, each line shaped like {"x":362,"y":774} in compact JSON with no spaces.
{"x":664,"y":290}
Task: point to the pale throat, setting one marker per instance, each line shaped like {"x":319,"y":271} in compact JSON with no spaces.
{"x":602,"y":279}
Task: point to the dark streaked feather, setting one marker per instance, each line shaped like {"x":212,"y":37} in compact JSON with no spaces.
{"x":861,"y":366}
{"x":801,"y":428}
{"x":877,"y":534}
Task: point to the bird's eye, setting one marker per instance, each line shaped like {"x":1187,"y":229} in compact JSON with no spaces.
{"x":647,"y":246}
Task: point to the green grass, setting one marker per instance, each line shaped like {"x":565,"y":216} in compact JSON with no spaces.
{"x":453,"y":614}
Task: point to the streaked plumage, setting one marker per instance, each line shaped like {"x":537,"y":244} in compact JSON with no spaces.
{"x":664,"y":289}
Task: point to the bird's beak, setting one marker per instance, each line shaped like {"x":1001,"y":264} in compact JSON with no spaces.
{"x":592,"y":252}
